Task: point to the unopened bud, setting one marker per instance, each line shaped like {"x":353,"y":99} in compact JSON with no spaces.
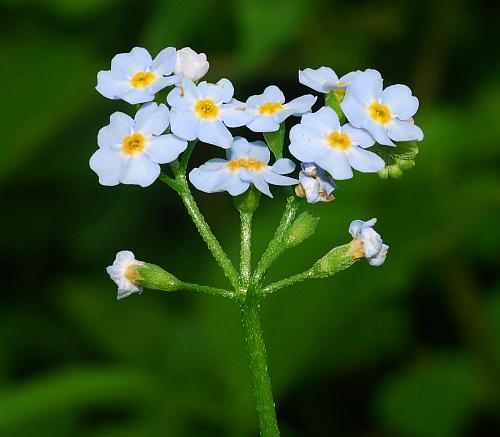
{"x":301,"y":229}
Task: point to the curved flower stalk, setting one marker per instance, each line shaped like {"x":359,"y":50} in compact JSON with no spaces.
{"x":358,"y":128}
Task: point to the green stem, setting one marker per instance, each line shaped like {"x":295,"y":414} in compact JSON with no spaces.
{"x":275,"y":247}
{"x":245,"y":248}
{"x":205,"y":231}
{"x":256,"y":355}
{"x":275,"y":286}
{"x":209,"y":290}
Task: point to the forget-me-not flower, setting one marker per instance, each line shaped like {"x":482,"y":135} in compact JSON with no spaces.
{"x":124,"y":273}
{"x":130,"y":150}
{"x":246,"y":163}
{"x":319,"y":138}
{"x":374,"y":249}
{"x":135,"y":77}
{"x":385,"y":113}
{"x":203,"y":111}
{"x":190,"y":64}
{"x":269,"y":109}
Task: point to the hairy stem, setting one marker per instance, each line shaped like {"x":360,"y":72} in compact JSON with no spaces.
{"x":245,"y":248}
{"x":257,"y":362}
{"x":275,"y":286}
{"x":275,"y":247}
{"x":205,"y":232}
{"x":209,"y":290}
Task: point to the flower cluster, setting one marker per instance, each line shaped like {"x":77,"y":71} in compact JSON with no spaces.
{"x":329,"y":142}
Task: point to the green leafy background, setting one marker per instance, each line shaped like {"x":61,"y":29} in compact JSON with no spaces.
{"x":407,"y":349}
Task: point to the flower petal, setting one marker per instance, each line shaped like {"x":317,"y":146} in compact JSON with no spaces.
{"x":367,"y":86}
{"x":214,"y":132}
{"x":364,"y":160}
{"x":138,"y":59}
{"x":184,"y":124}
{"x":297,"y":107}
{"x":164,"y":62}
{"x":336,"y":163}
{"x":283,"y":166}
{"x":264,"y":123}
{"x":140,"y":170}
{"x":165,"y":148}
{"x":152,"y":119}
{"x":235,"y":113}
{"x":399,"y":130}
{"x":120,"y":125}
{"x":107,"y":164}
{"x":277,"y":179}
{"x":323,"y":79}
{"x":359,"y":137}
{"x":111,"y":86}
{"x":400,"y":101}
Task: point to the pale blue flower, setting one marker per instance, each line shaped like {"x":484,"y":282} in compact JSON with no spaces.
{"x":124,"y":274}
{"x":374,"y":249}
{"x":130,"y":150}
{"x":324,"y":80}
{"x":135,"y":77}
{"x":246,"y":163}
{"x":205,"y":111}
{"x":319,"y":138}
{"x":385,"y":113}
{"x":315,"y":184}
{"x":269,"y":109}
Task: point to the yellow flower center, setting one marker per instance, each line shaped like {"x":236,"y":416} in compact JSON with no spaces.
{"x":132,"y":274}
{"x":338,"y":140}
{"x":380,"y":113}
{"x":339,"y":91}
{"x":142,"y":79}
{"x":250,"y":164}
{"x":270,"y":108}
{"x":206,"y":108}
{"x":133,"y":143}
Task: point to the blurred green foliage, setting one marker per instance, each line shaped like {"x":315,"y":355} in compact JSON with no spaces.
{"x":407,"y":349}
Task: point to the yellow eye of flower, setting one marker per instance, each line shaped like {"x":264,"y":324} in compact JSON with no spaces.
{"x":339,"y":92}
{"x":338,"y":140}
{"x":142,"y":79}
{"x":133,"y":143}
{"x":206,"y":108}
{"x":270,"y":108}
{"x":250,"y":164}
{"x":380,"y":113}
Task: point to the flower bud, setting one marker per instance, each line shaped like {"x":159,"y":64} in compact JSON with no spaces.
{"x":300,"y":230}
{"x":367,"y":242}
{"x":191,"y":64}
{"x":315,"y":184}
{"x":132,"y":275}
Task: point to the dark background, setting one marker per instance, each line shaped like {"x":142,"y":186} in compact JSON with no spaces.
{"x":408,"y":349}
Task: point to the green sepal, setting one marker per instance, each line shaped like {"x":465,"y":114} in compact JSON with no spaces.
{"x":275,"y":141}
{"x":397,"y":159}
{"x":332,"y":99}
{"x":155,"y":278}
{"x":248,"y":202}
{"x":339,"y":258}
{"x":300,"y":230}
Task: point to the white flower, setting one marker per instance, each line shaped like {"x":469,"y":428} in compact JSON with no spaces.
{"x":319,"y":138}
{"x":269,"y":109}
{"x":247,"y":163}
{"x":324,"y":80}
{"x":315,"y":184}
{"x":124,"y":273}
{"x":190,"y":64}
{"x":203,"y":111}
{"x":135,"y":77}
{"x":130,"y":150}
{"x":386,"y":114}
{"x":374,"y":249}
